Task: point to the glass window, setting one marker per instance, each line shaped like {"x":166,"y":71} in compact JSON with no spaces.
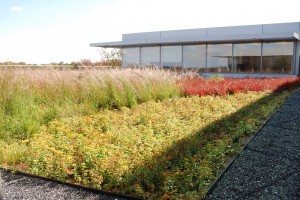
{"x":219,"y":58}
{"x":171,"y":56}
{"x":150,"y":56}
{"x":131,"y":56}
{"x":247,"y":57}
{"x":277,"y":57}
{"x":194,"y":56}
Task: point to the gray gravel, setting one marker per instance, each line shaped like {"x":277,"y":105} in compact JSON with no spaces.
{"x":269,"y":166}
{"x":29,"y":188}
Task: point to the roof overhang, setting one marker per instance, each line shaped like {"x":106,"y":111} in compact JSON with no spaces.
{"x":202,"y":40}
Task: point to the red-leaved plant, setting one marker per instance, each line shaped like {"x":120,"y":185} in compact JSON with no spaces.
{"x":223,"y":86}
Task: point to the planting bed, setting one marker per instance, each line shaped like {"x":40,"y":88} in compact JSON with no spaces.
{"x":172,"y":148}
{"x":145,"y":133}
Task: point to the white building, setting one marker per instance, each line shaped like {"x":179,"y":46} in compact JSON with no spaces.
{"x":267,"y":49}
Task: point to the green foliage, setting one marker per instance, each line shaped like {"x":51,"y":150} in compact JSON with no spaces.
{"x":174,"y":148}
{"x":12,"y":153}
{"x":216,"y":78}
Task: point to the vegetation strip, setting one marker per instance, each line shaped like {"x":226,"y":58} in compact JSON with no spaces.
{"x":217,"y":85}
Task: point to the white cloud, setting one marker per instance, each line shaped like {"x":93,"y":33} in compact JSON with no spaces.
{"x":16,"y":8}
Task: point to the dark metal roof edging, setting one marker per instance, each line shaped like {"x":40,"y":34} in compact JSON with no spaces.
{"x":101,"y":192}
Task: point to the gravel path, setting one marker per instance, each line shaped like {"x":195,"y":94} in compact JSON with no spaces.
{"x":29,"y":188}
{"x":269,"y":166}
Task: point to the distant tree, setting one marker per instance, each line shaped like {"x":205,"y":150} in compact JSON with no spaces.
{"x":75,"y":64}
{"x":111,"y":57}
{"x":12,"y":63}
{"x":9,"y":63}
{"x":86,"y":62}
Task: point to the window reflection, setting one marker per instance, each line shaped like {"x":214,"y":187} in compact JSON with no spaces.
{"x":219,"y":58}
{"x":171,"y":56}
{"x":150,"y":56}
{"x":277,"y":57}
{"x":194,"y":57}
{"x":247,"y":57}
{"x":131,"y":56}
{"x":272,"y":57}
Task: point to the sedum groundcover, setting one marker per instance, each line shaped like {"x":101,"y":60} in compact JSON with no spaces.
{"x":170,"y":149}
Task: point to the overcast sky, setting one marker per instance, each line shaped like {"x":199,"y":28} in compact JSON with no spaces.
{"x":44,"y":31}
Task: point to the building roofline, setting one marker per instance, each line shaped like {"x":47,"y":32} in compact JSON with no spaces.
{"x":217,"y":27}
{"x":202,"y":40}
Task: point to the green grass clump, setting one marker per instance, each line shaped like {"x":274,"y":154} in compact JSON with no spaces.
{"x":30,"y":98}
{"x":172,"y":149}
{"x":12,"y":152}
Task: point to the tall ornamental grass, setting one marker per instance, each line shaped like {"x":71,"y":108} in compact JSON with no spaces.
{"x":30,"y":98}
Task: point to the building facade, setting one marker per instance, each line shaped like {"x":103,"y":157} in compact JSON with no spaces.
{"x":268,"y":49}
